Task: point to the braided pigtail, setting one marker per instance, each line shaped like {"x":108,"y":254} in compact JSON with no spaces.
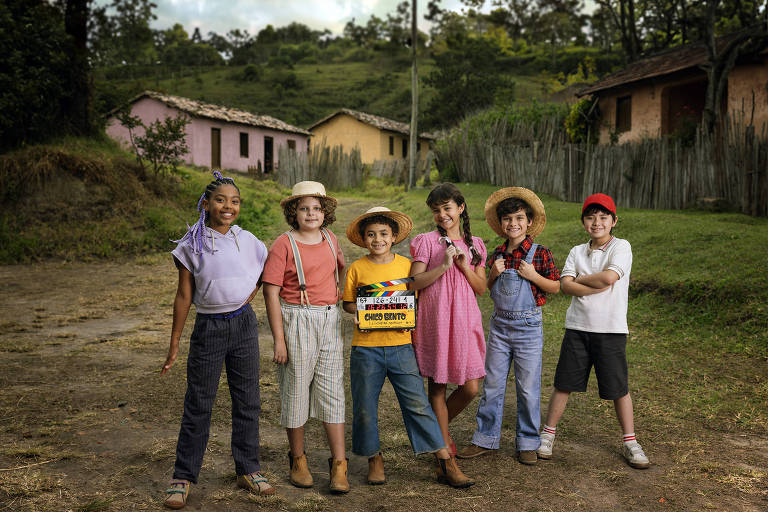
{"x":468,"y":236}
{"x":195,"y":235}
{"x":449,"y":192}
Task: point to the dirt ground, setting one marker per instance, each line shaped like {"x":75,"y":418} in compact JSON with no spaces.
{"x":88,"y":424}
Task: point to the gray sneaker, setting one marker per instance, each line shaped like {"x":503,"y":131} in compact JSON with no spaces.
{"x":545,"y":448}
{"x":635,"y":456}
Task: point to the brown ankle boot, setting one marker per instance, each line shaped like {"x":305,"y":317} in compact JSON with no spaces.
{"x":300,"y":475}
{"x":338,"y":470}
{"x":376,"y":470}
{"x":448,"y":472}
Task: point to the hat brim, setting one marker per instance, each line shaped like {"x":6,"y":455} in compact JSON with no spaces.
{"x":527,"y":195}
{"x":404,"y":226}
{"x":299,"y":196}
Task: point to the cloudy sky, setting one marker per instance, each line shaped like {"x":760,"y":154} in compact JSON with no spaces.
{"x":253,"y":15}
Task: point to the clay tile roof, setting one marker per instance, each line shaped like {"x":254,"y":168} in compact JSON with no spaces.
{"x":227,"y":114}
{"x":669,"y":61}
{"x":379,"y":122}
{"x":676,"y":59}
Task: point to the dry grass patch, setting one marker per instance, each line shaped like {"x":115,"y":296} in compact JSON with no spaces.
{"x":312,"y":502}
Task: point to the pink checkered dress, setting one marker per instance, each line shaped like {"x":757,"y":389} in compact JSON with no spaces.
{"x":449,"y":341}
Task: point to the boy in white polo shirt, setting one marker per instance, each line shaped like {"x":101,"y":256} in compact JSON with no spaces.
{"x":596,"y":274}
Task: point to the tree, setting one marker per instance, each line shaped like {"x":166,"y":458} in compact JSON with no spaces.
{"x":624,"y":17}
{"x":37,"y":77}
{"x":124,"y":37}
{"x":466,"y":79}
{"x":723,"y":52}
{"x":77,"y":105}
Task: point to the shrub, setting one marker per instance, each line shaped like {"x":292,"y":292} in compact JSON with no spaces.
{"x":582,"y":122}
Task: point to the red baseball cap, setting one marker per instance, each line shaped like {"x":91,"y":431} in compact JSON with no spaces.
{"x":603,"y":200}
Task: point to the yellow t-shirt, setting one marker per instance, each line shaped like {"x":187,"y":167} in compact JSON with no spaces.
{"x":364,"y":272}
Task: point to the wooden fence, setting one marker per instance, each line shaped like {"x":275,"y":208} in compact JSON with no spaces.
{"x":663,"y":173}
{"x":328,"y":165}
{"x":337,"y":169}
{"x":396,"y":171}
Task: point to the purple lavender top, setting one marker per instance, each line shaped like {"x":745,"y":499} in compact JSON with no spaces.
{"x":225,"y":278}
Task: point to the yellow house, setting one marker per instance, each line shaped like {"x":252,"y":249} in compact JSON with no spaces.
{"x":377,"y":137}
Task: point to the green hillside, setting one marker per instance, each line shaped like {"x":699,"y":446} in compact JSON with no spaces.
{"x":303,"y":94}
{"x":85,"y":199}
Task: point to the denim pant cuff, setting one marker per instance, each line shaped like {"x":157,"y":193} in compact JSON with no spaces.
{"x":484,"y":441}
{"x":527,"y":443}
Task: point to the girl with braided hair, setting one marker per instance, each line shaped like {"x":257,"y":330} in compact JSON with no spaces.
{"x":220,"y":266}
{"x":449,"y":269}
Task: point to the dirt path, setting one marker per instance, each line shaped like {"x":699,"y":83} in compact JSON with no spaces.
{"x":86,"y":422}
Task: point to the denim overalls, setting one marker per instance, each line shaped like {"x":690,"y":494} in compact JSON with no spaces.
{"x":516,"y":335}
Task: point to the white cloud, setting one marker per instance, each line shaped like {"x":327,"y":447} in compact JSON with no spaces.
{"x":221,"y":16}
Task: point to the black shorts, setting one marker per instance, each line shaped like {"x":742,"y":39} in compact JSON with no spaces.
{"x":606,"y":351}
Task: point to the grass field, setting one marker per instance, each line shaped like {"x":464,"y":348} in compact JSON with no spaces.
{"x":87,"y":424}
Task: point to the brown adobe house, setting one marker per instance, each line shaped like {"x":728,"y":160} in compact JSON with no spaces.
{"x":657,"y":95}
{"x":378,"y":138}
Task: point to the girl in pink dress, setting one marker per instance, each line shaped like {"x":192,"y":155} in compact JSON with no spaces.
{"x":449,"y":269}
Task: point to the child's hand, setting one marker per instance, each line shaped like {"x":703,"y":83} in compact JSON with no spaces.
{"x":527,"y":271}
{"x":281,"y":353}
{"x":450,"y":254}
{"x":497,"y":268}
{"x":460,"y":259}
{"x":173,"y":351}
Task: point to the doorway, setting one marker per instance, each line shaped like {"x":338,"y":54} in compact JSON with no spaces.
{"x":215,"y":148}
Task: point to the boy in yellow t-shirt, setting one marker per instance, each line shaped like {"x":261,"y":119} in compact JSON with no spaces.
{"x":379,"y":354}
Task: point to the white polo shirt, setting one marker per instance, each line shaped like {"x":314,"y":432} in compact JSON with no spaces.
{"x":606,"y":311}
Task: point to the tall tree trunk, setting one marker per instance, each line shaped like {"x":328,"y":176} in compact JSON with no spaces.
{"x":78,"y":106}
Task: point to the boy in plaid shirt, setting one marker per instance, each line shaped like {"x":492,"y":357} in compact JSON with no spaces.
{"x":521,"y":274}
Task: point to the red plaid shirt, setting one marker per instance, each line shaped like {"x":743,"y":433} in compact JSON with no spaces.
{"x":543,"y":262}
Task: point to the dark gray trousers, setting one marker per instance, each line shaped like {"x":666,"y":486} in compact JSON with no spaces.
{"x":233,"y":342}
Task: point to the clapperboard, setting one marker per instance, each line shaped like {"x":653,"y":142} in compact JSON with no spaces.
{"x":381,"y":309}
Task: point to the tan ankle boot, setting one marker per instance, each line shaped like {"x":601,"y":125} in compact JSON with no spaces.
{"x":338,"y":470}
{"x":300,"y":475}
{"x":448,"y":472}
{"x":376,"y":470}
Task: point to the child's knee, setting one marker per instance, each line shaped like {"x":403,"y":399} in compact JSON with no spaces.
{"x":471,"y":388}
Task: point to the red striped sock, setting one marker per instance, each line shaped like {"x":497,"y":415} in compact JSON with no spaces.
{"x":629,"y":438}
{"x":546,"y":429}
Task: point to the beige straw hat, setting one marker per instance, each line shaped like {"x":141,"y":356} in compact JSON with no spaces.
{"x":404,"y":224}
{"x":307,"y":189}
{"x":539,"y":215}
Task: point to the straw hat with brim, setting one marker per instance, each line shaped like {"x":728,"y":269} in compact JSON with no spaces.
{"x":307,"y":189}
{"x":539,"y":216}
{"x":404,"y":225}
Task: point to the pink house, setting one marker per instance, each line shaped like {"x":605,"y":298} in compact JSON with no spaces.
{"x":218,"y":137}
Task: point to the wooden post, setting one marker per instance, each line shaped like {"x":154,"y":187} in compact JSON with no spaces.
{"x":414,"y":102}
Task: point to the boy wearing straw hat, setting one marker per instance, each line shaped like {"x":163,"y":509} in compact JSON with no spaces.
{"x":521,"y":273}
{"x":378,"y":354}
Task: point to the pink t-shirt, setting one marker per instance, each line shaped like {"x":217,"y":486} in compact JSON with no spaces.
{"x":318,"y":263}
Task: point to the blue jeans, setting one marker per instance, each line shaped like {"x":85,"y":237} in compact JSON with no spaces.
{"x":368,"y":367}
{"x":514,"y":338}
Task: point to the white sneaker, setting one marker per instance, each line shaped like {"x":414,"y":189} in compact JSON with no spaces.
{"x":545,"y":448}
{"x":635,"y":456}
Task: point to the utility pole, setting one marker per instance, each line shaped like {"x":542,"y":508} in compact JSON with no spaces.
{"x":414,"y":102}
